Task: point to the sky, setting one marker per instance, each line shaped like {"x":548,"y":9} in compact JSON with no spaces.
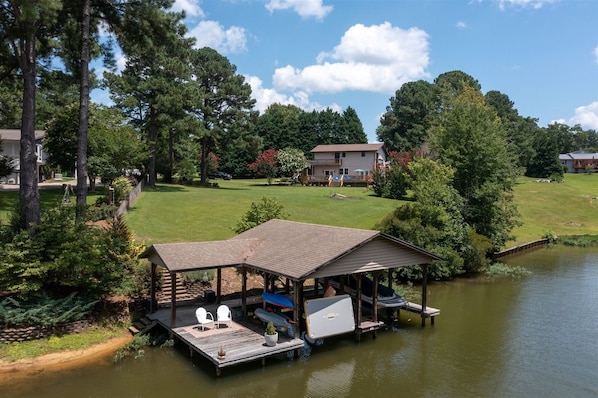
{"x":315,"y":54}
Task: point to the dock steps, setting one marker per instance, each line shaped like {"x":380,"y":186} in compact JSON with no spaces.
{"x":142,"y":326}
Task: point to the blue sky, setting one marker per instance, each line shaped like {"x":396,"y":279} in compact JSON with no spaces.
{"x":315,"y":54}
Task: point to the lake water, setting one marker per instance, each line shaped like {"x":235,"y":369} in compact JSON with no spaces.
{"x":533,"y":336}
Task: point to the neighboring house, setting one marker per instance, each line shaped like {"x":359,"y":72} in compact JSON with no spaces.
{"x":345,"y":163}
{"x":579,"y":161}
{"x":11,"y":147}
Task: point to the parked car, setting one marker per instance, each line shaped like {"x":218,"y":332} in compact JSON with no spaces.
{"x":220,"y":174}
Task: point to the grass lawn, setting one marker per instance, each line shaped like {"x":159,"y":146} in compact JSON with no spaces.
{"x":568,"y":208}
{"x":173,"y":213}
{"x":48,"y":197}
{"x":176,"y":213}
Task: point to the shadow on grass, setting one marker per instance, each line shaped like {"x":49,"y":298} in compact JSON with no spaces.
{"x":163,"y":187}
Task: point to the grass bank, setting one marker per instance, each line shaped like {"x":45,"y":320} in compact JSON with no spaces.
{"x":173,"y":213}
{"x":37,"y":348}
{"x":567,"y":208}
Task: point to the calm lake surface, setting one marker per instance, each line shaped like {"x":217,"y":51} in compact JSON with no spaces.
{"x":533,"y":336}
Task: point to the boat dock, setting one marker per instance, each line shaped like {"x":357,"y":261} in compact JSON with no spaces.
{"x":242,"y":340}
{"x":417,"y":309}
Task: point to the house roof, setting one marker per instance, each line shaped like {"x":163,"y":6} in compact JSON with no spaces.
{"x":294,"y":250}
{"x":578,"y":155}
{"x":15,"y":135}
{"x":348,"y":148}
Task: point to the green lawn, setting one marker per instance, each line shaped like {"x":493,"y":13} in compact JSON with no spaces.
{"x":48,"y":197}
{"x":568,"y":208}
{"x":175,"y":213}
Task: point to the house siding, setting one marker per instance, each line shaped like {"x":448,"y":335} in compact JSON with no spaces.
{"x":353,"y":160}
{"x":378,"y":254}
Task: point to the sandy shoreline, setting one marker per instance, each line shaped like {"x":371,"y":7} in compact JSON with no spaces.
{"x":24,"y":368}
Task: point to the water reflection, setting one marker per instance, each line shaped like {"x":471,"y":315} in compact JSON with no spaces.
{"x":532,"y":336}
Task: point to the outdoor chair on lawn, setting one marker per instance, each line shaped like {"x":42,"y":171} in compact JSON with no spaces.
{"x":224,"y":315}
{"x":204,"y":317}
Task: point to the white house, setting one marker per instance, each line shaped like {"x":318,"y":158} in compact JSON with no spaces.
{"x":579,"y":161}
{"x":347,"y":163}
{"x":11,"y":147}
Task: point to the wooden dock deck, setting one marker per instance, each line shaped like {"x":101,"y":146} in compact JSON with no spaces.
{"x":243,"y":341}
{"x":417,"y":308}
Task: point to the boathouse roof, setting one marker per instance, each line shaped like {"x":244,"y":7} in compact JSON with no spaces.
{"x":295,"y":250}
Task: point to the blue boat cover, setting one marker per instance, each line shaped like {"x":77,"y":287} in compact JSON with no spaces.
{"x":278,"y":300}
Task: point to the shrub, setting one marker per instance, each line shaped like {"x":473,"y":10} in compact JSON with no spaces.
{"x":199,"y":276}
{"x":122,"y":188}
{"x":45,"y":312}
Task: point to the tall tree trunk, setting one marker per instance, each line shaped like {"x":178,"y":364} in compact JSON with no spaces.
{"x":28,"y":189}
{"x":83,"y":116}
{"x":153,"y":136}
{"x":170,"y":167}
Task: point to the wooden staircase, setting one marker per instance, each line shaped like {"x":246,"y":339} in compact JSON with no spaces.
{"x":182,"y":294}
{"x":142,"y":326}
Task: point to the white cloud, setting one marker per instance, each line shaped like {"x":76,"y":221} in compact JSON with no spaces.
{"x":536,"y":4}
{"x":266,"y":96}
{"x":586,"y":116}
{"x":213,"y":34}
{"x":378,"y":58}
{"x":596,"y":54}
{"x":461,"y":25}
{"x":305,"y":8}
{"x":192,"y":8}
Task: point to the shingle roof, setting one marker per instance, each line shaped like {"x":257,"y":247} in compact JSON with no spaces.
{"x":348,"y":148}
{"x":199,"y":255}
{"x":291,"y":249}
{"x":15,"y":135}
{"x":296,"y":249}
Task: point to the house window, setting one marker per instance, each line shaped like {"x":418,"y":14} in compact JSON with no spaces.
{"x":344,"y":154}
{"x":363,"y":154}
{"x":343,"y":171}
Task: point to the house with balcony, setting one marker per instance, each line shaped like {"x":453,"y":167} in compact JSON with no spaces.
{"x":579,"y":161}
{"x":345,"y":164}
{"x":11,"y":147}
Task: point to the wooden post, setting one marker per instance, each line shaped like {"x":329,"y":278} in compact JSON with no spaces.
{"x":219,"y":285}
{"x":375,"y":297}
{"x":297,"y":300}
{"x":244,"y":290}
{"x":172,"y":300}
{"x":266,"y":279}
{"x":424,"y":292}
{"x":316,"y":287}
{"x":153,"y":288}
{"x":358,"y":306}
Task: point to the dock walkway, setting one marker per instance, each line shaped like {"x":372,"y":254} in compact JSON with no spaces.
{"x":417,"y":308}
{"x":243,"y":341}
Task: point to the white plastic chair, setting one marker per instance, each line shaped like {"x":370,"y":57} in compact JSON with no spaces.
{"x":204,"y":317}
{"x":224,"y":315}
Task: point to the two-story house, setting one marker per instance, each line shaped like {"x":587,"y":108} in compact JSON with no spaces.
{"x":345,"y":163}
{"x":579,"y":161}
{"x":11,"y":147}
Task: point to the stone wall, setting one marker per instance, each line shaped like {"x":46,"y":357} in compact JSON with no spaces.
{"x":14,"y":335}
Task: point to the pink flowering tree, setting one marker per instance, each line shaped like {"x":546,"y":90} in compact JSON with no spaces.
{"x":265,"y":165}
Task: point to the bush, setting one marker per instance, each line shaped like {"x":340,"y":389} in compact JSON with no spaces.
{"x":122,"y":188}
{"x":66,"y":257}
{"x":45,"y":312}
{"x":199,"y":276}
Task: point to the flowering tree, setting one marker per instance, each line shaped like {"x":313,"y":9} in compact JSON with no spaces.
{"x":292,"y":162}
{"x":265,"y":164}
